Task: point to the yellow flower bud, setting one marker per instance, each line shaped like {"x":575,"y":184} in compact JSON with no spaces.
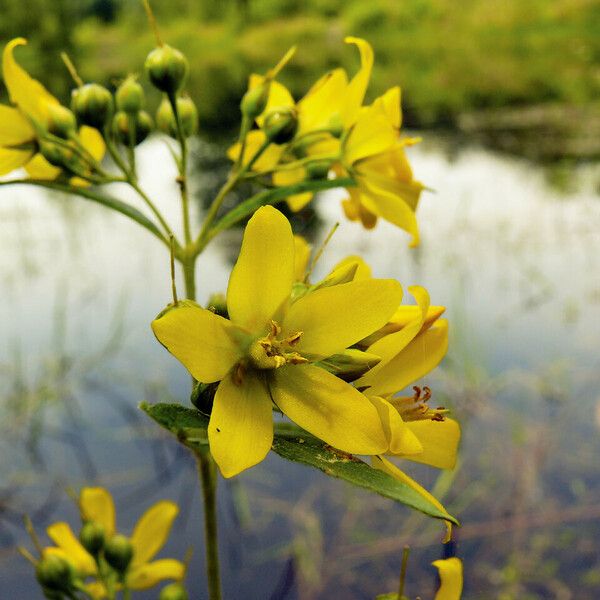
{"x":118,"y":553}
{"x":167,"y":68}
{"x":281,"y":124}
{"x":62,"y":122}
{"x":173,"y":591}
{"x":130,"y":96}
{"x":54,"y":573}
{"x":92,"y":104}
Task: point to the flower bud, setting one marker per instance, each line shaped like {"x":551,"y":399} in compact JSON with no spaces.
{"x":188,"y":117}
{"x":92,"y":537}
{"x":92,"y":104}
{"x":218,"y":304}
{"x":167,"y":68}
{"x":121,"y":125}
{"x":61,"y":122}
{"x":130,"y":96}
{"x":350,"y":364}
{"x":54,"y":573}
{"x":318,"y":169}
{"x":118,"y":552}
{"x":255,"y":100}
{"x":280,"y":125}
{"x":61,"y":156}
{"x":173,"y":591}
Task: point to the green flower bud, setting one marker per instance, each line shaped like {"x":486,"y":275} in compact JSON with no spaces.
{"x":92,"y":537}
{"x":167,"y":68}
{"x":118,"y":552}
{"x":121,"y":124}
{"x":130,"y":96}
{"x":218,"y":303}
{"x":173,"y":591}
{"x":54,"y":573}
{"x":93,"y":105}
{"x":255,"y":100}
{"x":280,"y":125}
{"x":318,"y":169}
{"x":188,"y":117}
{"x":350,"y":364}
{"x":61,"y":156}
{"x":61,"y":122}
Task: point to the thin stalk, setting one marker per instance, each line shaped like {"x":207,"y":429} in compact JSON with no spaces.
{"x":134,"y":184}
{"x":405,"y":553}
{"x":207,"y":472}
{"x":131,"y":145}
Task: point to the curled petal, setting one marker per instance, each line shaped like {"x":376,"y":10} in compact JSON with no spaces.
{"x":451,"y":577}
{"x":24,"y":91}
{"x":329,"y":408}
{"x":151,"y":531}
{"x":240,"y":430}
{"x":439,"y":441}
{"x":357,"y":87}
{"x":401,"y":438}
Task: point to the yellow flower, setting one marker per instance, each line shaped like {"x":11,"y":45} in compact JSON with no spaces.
{"x":149,"y":536}
{"x":451,"y":577}
{"x":34,"y":105}
{"x":373,"y":154}
{"x":263,"y":355}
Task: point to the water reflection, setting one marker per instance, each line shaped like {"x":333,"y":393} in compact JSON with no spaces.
{"x":515,"y":260}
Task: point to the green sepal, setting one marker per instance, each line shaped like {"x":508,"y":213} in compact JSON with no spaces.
{"x":293,"y":443}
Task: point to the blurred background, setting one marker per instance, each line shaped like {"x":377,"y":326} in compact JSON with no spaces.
{"x":506,"y":97}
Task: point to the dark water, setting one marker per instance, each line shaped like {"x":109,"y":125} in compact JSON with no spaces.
{"x":515,"y":260}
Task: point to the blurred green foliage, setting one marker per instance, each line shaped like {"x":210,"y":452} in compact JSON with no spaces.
{"x":449,"y":57}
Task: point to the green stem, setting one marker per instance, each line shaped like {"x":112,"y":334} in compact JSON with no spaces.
{"x":126,"y":593}
{"x":167,"y":229}
{"x":208,"y":477}
{"x":188,"y":264}
{"x":114,"y":153}
{"x":131,"y":145}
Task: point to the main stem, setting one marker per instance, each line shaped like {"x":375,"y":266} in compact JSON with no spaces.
{"x":207,"y":473}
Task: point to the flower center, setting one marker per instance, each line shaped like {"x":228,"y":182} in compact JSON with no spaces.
{"x":415,"y":407}
{"x":272,"y":352}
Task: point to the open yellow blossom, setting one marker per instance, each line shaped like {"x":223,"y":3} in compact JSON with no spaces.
{"x":33,"y":106}
{"x":264,"y":355}
{"x":149,"y":536}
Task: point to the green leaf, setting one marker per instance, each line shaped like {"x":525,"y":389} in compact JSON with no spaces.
{"x":293,"y":443}
{"x":246,"y":208}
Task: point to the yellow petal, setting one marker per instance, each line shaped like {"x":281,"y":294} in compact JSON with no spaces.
{"x":11,"y":160}
{"x":451,"y":577}
{"x":422,"y":355}
{"x":334,"y":318}
{"x":61,"y":534}
{"x":39,"y":168}
{"x":439,"y":440}
{"x":96,"y":590}
{"x":358,"y":85}
{"x":148,"y":575}
{"x":371,"y":135}
{"x":24,"y":91}
{"x":329,"y":408}
{"x":279,"y":96}
{"x":389,"y":104}
{"x":322,"y":102}
{"x":92,"y":141}
{"x":302,"y":251}
{"x":261,"y":281}
{"x":400,"y":437}
{"x":240,"y":431}
{"x":96,"y":504}
{"x":389,"y":346}
{"x":204,"y":342}
{"x":151,"y":531}
{"x":254,"y":140}
{"x":15,"y":129}
{"x":290,"y":177}
{"x":391,"y":206}
{"x":381,"y":463}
